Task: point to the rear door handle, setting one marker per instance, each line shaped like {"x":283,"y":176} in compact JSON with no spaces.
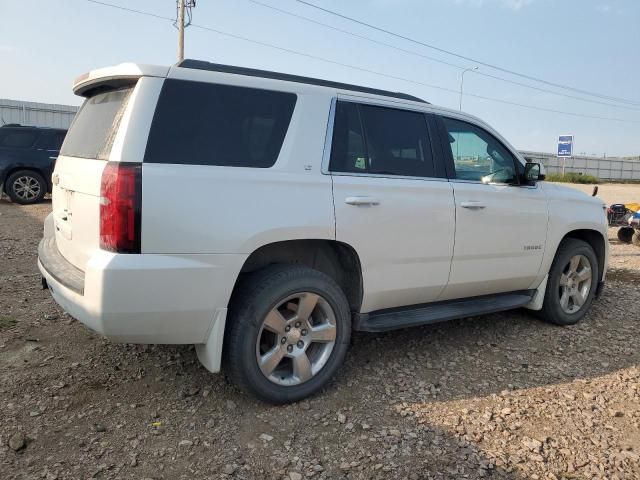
{"x":361,"y":201}
{"x":472,"y":205}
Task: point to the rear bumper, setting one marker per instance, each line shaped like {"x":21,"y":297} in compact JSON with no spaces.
{"x":146,"y":298}
{"x":58,"y":267}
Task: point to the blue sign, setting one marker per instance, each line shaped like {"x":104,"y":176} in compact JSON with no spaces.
{"x":565,"y":145}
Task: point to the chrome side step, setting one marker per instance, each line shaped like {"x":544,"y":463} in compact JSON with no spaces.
{"x":395,"y":318}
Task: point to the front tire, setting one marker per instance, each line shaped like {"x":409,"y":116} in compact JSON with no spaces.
{"x":26,"y":187}
{"x":287,"y":333}
{"x":572,"y":283}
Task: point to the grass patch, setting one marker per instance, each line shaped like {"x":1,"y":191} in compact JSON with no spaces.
{"x":572,"y":178}
{"x":6,"y":322}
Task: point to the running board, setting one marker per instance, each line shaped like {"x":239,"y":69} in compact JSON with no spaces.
{"x":394,"y":318}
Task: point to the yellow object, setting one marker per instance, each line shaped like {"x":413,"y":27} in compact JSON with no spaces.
{"x":634,"y":207}
{"x":156,"y":424}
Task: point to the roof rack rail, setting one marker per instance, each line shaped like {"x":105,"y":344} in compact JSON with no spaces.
{"x":252,"y":72}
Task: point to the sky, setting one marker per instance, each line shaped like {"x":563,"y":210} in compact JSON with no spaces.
{"x":590,"y":45}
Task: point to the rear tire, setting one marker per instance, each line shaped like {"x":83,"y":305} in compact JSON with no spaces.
{"x":26,"y":187}
{"x":287,"y":333}
{"x":572,"y":283}
{"x":625,"y":234}
{"x":636,"y":238}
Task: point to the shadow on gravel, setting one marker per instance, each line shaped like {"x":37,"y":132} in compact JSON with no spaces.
{"x":624,"y":275}
{"x":512,"y":350}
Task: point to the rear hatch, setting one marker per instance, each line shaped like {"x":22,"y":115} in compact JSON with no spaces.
{"x":78,"y":171}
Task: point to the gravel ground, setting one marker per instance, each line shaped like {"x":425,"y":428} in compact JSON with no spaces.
{"x":503,"y":396}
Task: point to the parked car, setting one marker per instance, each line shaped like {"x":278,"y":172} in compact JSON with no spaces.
{"x":27,"y":157}
{"x":264,"y":217}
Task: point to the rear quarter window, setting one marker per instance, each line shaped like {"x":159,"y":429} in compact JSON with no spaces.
{"x":95,"y":126}
{"x":209,"y":124}
{"x":50,"y":141}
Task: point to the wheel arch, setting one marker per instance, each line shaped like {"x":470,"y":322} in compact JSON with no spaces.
{"x":15,"y":168}
{"x":336,"y":259}
{"x":596,"y":240}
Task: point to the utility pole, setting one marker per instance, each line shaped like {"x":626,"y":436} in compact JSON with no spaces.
{"x":180,"y":30}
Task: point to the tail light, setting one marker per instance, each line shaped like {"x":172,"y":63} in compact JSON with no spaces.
{"x":120,"y":207}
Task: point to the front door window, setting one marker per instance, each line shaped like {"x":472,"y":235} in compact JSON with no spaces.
{"x":477,"y":155}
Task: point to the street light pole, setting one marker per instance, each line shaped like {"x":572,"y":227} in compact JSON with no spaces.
{"x":462,"y":81}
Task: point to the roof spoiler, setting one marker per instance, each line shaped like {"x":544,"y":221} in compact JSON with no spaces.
{"x":115,"y":76}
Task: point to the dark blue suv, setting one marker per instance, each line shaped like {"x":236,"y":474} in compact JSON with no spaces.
{"x":27,"y":157}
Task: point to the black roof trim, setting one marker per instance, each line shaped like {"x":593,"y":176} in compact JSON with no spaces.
{"x":18,"y":126}
{"x":252,"y":72}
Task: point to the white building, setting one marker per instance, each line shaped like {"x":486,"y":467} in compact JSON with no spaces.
{"x":36,"y":114}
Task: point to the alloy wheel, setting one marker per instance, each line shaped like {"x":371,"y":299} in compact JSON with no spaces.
{"x":296,"y":339}
{"x":26,"y":187}
{"x":575,"y":284}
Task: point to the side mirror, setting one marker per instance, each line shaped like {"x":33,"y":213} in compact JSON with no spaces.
{"x":532,"y":173}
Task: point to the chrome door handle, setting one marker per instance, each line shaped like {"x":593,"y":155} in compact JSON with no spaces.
{"x":361,"y":201}
{"x":473,"y":205}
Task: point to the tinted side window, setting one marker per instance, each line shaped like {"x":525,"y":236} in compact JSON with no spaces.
{"x":15,"y":139}
{"x":396,"y":142}
{"x":44,"y":142}
{"x":208,"y":124}
{"x":51,"y":141}
{"x":348,"y":152}
{"x":478,"y":155}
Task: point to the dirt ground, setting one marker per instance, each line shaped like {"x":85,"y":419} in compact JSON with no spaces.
{"x":503,"y":396}
{"x":612,"y":192}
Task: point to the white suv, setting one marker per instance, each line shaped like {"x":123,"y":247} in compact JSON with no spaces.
{"x":264,"y":217}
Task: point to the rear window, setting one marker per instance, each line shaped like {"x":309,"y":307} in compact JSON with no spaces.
{"x":209,"y":124}
{"x":95,"y":126}
{"x":16,"y":139}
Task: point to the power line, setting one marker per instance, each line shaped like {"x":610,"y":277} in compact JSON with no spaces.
{"x":539,"y":89}
{"x":132,"y":10}
{"x":426,"y":57}
{"x":361,"y":69}
{"x":469,"y":59}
